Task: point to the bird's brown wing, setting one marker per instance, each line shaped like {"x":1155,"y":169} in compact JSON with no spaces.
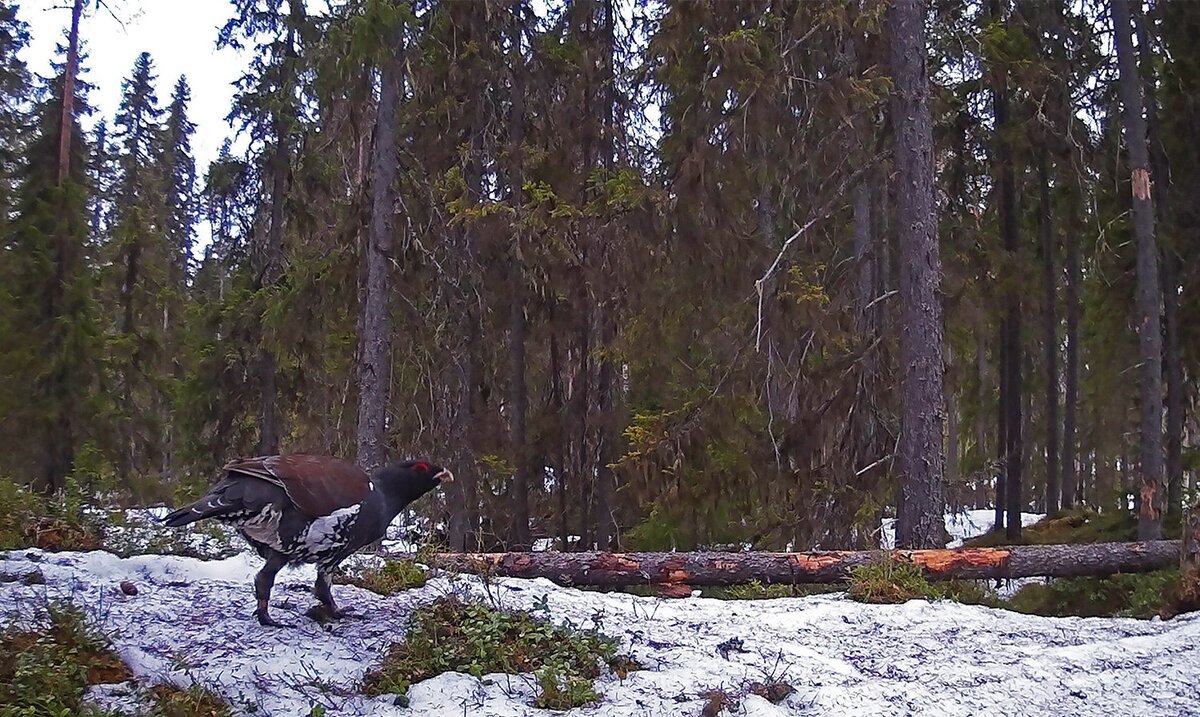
{"x":318,"y":485}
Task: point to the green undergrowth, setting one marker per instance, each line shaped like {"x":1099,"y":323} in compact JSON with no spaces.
{"x":1142,"y":595}
{"x":450,"y":635}
{"x":1139,"y":595}
{"x":891,"y":581}
{"x":45,"y":670}
{"x":763,"y":591}
{"x":47,"y":666}
{"x":391,"y":577}
{"x":195,"y":701}
{"x":1078,"y":525}
{"x":59,"y":522}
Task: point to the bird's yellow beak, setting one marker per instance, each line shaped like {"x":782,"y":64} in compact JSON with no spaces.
{"x":445,"y":476}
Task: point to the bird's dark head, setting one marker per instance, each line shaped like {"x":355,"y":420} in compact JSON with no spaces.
{"x":409,"y":480}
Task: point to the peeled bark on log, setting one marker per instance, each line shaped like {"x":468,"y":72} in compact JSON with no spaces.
{"x":626,"y":569}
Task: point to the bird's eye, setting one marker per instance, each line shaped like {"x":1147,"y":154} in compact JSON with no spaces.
{"x":423,"y":467}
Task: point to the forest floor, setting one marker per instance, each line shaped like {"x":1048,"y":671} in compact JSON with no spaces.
{"x":190,"y":622}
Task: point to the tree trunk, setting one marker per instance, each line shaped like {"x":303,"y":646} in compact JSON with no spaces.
{"x":1001,"y":424}
{"x":67,"y":125}
{"x":628,"y":569}
{"x":922,"y":505}
{"x":268,"y":422}
{"x":375,"y":339}
{"x":606,"y":383}
{"x":1174,"y":375}
{"x":1150,"y":467}
{"x":1005,"y":184}
{"x":1050,"y":338}
{"x":1172,"y":363}
{"x":519,"y":535}
{"x":1071,"y":490}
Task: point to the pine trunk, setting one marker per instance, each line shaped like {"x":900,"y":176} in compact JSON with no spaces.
{"x":1050,"y":337}
{"x":1149,"y":304}
{"x":921,"y":504}
{"x":70,"y":76}
{"x":1172,"y":361}
{"x":1005,"y":184}
{"x":375,"y":337}
{"x":1071,"y":489}
{"x":1173,"y":366}
{"x":519,"y":535}
{"x":613,"y":570}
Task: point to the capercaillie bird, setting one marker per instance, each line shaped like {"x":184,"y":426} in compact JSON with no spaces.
{"x":301,"y":508}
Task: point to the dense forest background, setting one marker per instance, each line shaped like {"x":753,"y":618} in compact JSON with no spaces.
{"x":633,"y":269}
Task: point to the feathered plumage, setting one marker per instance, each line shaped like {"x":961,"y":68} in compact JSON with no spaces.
{"x":309,"y":509}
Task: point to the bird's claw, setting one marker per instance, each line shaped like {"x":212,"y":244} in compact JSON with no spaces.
{"x":266,"y":620}
{"x":323,"y":613}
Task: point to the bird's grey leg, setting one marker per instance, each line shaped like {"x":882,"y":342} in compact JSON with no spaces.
{"x":263,"y":582}
{"x":322,"y":589}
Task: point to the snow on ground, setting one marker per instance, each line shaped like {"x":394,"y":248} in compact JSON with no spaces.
{"x":191,"y":621}
{"x":960,"y":526}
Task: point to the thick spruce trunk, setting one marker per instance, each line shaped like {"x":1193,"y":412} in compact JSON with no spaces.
{"x":921,"y":504}
{"x":375,"y":341}
{"x":1149,"y":302}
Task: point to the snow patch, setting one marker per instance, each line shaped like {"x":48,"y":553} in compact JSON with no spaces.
{"x":192,"y":621}
{"x":961,"y":526}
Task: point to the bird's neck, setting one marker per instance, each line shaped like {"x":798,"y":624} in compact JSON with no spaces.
{"x":390,"y":502}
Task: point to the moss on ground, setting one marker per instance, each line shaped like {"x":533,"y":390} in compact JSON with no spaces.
{"x":885,"y":581}
{"x":45,"y":670}
{"x":195,"y":701}
{"x":29,"y":520}
{"x":450,"y":635}
{"x":1077,"y":525}
{"x":1140,"y":595}
{"x":392,"y":576}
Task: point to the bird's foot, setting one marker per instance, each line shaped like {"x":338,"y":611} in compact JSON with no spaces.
{"x":324,"y":613}
{"x":265,"y":619}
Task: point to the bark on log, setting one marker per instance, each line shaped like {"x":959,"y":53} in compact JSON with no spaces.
{"x":627,"y":569}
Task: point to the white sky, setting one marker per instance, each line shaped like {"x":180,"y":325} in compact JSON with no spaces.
{"x":180,"y":36}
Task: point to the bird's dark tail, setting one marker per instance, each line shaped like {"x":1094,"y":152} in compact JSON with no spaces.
{"x":210,"y":506}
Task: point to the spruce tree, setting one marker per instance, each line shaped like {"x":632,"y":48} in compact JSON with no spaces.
{"x":48,"y":356}
{"x":138,"y":254}
{"x":14,"y":93}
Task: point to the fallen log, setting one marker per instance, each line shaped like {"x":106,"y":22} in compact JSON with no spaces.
{"x":712,"y":568}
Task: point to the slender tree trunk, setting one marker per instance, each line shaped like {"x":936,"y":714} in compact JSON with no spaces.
{"x":1050,"y":339}
{"x":101,"y":162}
{"x":605,"y":446}
{"x":559,"y":437}
{"x":375,"y":339}
{"x":1174,"y":375}
{"x":518,"y":392}
{"x":920,"y":518}
{"x":981,"y":445}
{"x":952,"y":437}
{"x":1013,"y":449}
{"x":67,"y":125}
{"x":1071,"y":489}
{"x":1149,"y":302}
{"x":268,"y":422}
{"x":581,"y":404}
{"x":1002,"y":398}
